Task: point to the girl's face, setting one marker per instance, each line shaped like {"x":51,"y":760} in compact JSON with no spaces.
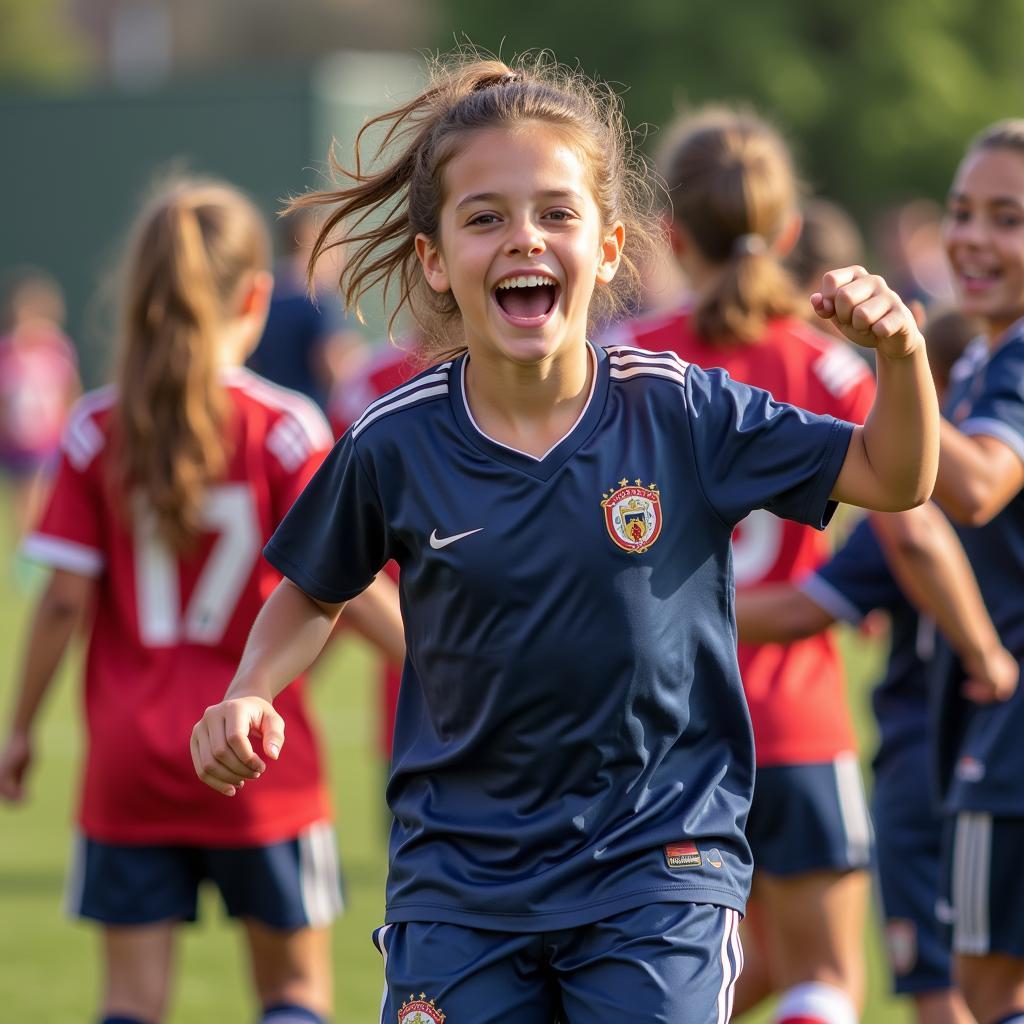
{"x":983,"y":231}
{"x":520,"y":243}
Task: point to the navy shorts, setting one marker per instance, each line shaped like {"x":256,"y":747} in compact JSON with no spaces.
{"x":287,"y":885}
{"x":809,"y":817}
{"x":983,"y":883}
{"x":908,"y":849}
{"x":666,"y":963}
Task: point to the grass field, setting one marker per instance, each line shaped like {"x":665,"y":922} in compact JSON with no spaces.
{"x":48,"y":969}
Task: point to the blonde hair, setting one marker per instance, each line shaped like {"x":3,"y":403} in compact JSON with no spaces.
{"x":191,"y":247}
{"x":466,"y":94}
{"x":732,"y":185}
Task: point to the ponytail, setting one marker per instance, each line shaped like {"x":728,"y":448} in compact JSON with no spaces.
{"x":732,"y":186}
{"x":190,"y":252}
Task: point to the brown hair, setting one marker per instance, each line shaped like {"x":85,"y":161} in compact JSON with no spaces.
{"x":192,"y":246}
{"x":732,"y":185}
{"x":1007,"y":134}
{"x":466,"y":94}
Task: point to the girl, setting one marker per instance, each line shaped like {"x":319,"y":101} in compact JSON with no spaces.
{"x":573,"y":760}
{"x":980,"y":479}
{"x":734,"y":217}
{"x":169,"y":484}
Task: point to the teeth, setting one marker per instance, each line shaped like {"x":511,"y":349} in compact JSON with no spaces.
{"x":526,"y":281}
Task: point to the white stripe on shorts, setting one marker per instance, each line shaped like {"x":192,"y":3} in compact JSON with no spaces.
{"x":382,"y":946}
{"x":74,"y":884}
{"x":972,"y":867}
{"x":731,"y":965}
{"x":319,"y":880}
{"x":853,"y":809}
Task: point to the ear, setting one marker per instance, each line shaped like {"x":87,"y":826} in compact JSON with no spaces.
{"x":254,"y":299}
{"x":611,"y":253}
{"x":432,"y":261}
{"x":788,"y":236}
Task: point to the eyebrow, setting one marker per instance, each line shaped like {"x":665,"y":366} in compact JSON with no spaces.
{"x":490,"y":197}
{"x":962,"y":197}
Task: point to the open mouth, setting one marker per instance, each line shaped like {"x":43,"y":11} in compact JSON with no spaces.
{"x":978,"y":280}
{"x":527,"y":300}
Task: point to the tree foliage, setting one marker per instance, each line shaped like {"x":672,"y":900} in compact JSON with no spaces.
{"x":39,"y":45}
{"x":878,"y":97}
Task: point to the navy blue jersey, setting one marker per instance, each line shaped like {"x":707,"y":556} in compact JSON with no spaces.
{"x":571,"y":737}
{"x":980,"y":749}
{"x":854,"y":582}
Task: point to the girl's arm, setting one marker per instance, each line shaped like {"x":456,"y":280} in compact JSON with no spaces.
{"x":289,"y":632}
{"x":892,"y":460}
{"x":376,"y":614}
{"x":778,"y":613}
{"x":978,"y":476}
{"x":931,"y":567}
{"x":60,"y":609}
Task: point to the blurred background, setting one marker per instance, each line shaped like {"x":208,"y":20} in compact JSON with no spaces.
{"x":98,"y":98}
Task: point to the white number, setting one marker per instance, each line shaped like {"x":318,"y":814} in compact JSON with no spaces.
{"x":229,"y":512}
{"x":755,"y":546}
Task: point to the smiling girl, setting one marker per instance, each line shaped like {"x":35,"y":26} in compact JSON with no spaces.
{"x":573,"y":757}
{"x":980,"y":479}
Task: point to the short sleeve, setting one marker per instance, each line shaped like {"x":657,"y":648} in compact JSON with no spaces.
{"x":753,"y":452}
{"x":998,"y":410}
{"x":856,"y":580}
{"x":70,"y":535}
{"x":334,"y":540}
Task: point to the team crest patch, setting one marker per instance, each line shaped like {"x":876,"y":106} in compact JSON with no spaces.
{"x":633,"y":515}
{"x":682,"y":855}
{"x":901,"y":942}
{"x":420,"y":1011}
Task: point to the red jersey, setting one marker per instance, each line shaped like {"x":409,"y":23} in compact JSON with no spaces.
{"x":388,"y":369}
{"x":168,"y":630}
{"x":38,"y":381}
{"x":796,"y":691}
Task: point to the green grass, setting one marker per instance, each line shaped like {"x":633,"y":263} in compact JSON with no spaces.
{"x":49,"y":963}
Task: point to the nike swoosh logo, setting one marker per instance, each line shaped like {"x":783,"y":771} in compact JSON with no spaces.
{"x":442,"y":542}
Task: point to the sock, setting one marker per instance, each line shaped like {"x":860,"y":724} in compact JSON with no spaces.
{"x":815,"y":1003}
{"x":1017,"y":1017}
{"x":290,"y":1013}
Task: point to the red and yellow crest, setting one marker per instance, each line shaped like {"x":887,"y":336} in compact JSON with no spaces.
{"x":420,"y":1011}
{"x":633,"y":515}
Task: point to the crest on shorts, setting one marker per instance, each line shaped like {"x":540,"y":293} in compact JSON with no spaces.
{"x":420,"y":1011}
{"x":633,"y":515}
{"x":901,"y":942}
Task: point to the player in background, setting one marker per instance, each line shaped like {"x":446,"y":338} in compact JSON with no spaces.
{"x":305,"y":347}
{"x":573,"y":755}
{"x":170,"y":482}
{"x":908,"y":830}
{"x":734,"y":218}
{"x":979,"y":486}
{"x":38,"y":384}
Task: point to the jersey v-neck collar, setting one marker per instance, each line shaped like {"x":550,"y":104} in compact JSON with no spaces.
{"x":542,"y":468}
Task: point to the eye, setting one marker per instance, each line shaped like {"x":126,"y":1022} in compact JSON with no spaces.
{"x":561,"y":215}
{"x":958,"y":214}
{"x":1009,"y":221}
{"x":482,"y":220}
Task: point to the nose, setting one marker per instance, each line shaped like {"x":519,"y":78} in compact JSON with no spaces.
{"x":525,"y":239}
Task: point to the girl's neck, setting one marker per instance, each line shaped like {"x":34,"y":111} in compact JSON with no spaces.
{"x":529,"y":407}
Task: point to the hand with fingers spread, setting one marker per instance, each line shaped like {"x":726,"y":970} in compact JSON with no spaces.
{"x":868,"y":312}
{"x":222,"y":752}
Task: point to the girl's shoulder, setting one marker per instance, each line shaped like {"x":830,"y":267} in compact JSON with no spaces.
{"x":281,"y":408}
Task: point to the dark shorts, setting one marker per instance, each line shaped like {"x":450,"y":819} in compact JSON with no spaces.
{"x":809,"y":817}
{"x":287,"y":885}
{"x":673,"y":963}
{"x":983,"y":884}
{"x":908,"y":850}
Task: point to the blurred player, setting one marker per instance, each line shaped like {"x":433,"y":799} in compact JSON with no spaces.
{"x":979,"y":486}
{"x":305,"y":347}
{"x":38,"y":383}
{"x":853,"y":584}
{"x":573,"y":757}
{"x":170,"y":482}
{"x":734,"y":217}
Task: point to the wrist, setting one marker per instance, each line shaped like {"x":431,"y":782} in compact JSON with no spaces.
{"x":896,"y":350}
{"x":249,"y":685}
{"x":975,"y":654}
